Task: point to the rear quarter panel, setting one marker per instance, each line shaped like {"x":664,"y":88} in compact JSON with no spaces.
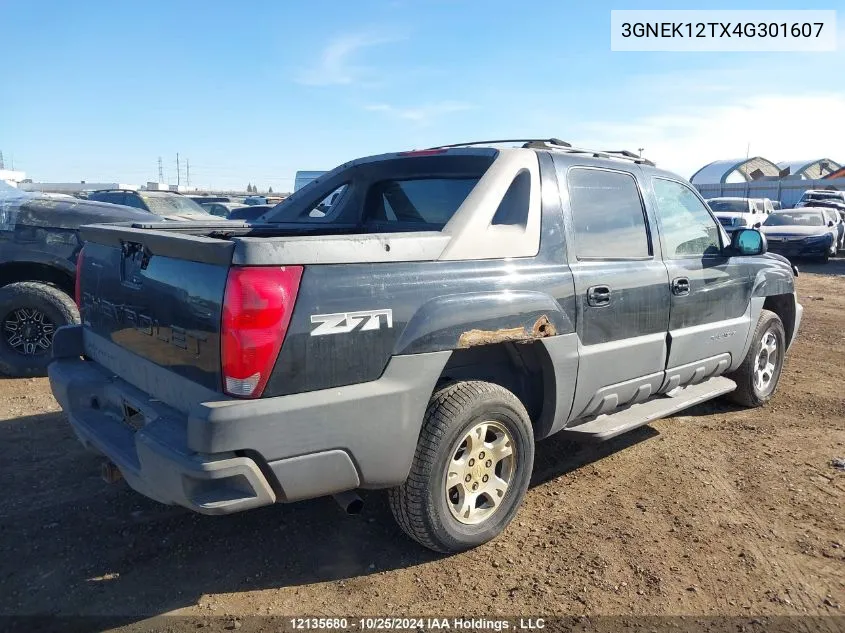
{"x":432,"y":304}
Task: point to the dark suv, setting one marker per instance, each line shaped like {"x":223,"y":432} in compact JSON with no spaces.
{"x":168,"y":204}
{"x":416,"y":321}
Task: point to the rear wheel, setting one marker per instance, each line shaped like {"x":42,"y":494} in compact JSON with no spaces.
{"x":30,"y":313}
{"x":471,"y":468}
{"x":758,"y":376}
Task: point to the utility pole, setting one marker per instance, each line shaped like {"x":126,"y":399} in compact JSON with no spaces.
{"x":2,"y":165}
{"x":178,"y":171}
{"x":188,"y":171}
{"x":160,"y":172}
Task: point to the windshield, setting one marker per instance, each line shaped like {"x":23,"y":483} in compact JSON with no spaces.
{"x":799,"y":218}
{"x":739,"y":206}
{"x":164,"y":204}
{"x":821,"y":196}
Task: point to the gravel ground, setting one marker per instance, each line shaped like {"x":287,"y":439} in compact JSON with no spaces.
{"x":721,"y":511}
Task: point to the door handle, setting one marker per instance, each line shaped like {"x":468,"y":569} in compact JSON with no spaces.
{"x":680,"y":286}
{"x":598,"y":296}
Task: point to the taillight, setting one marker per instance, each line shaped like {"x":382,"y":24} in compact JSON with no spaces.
{"x":257,"y":307}
{"x":77,"y":288}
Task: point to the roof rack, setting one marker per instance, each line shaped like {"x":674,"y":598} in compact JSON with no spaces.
{"x":561,"y":146}
{"x":548,"y":141}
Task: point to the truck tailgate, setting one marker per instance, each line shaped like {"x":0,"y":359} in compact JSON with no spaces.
{"x":157,"y":295}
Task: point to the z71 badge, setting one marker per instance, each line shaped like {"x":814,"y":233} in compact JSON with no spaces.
{"x":344,"y":322}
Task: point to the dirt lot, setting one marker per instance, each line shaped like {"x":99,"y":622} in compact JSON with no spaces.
{"x":720,"y":511}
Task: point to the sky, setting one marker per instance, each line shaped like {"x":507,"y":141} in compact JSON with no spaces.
{"x":252,"y":91}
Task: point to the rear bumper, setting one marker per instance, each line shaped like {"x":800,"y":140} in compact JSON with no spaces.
{"x":226,"y":455}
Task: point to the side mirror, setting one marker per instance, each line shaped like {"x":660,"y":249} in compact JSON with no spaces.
{"x":748,"y":242}
{"x":758,"y":225}
{"x":830,"y":222}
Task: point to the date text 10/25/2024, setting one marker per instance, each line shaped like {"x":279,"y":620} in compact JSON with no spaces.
{"x":415,"y":624}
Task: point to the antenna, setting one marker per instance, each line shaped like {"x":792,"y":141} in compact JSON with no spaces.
{"x":747,"y":175}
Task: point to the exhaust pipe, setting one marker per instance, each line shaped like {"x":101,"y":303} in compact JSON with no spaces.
{"x":349,"y":501}
{"x":110,"y":473}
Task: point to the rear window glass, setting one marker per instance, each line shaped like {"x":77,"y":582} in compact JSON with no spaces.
{"x":175,"y":204}
{"x":425,"y":201}
{"x":737,"y":206}
{"x":396,"y":194}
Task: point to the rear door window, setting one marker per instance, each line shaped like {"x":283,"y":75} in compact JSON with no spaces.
{"x":607,"y":215}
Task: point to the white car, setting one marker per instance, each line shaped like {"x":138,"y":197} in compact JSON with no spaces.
{"x":740,"y":213}
{"x":820,"y":195}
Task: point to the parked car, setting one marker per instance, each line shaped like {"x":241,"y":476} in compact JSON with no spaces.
{"x":303,"y":178}
{"x":834,"y":213}
{"x":166,"y":204}
{"x":804,"y":232}
{"x":201,"y":200}
{"x":248,"y":214}
{"x":449,"y":310}
{"x":811,"y":196}
{"x":737,"y":213}
{"x":222,"y":209}
{"x":39,"y":245}
{"x":252,"y":200}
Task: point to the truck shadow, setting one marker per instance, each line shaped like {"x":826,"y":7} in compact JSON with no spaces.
{"x":70,"y":544}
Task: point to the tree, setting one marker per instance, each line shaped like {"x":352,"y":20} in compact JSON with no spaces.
{"x":270,"y":190}
{"x":249,"y":188}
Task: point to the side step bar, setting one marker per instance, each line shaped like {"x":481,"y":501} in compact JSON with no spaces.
{"x":610,"y":425}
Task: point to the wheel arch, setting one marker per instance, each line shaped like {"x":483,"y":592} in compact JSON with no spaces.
{"x":541,"y":374}
{"x":49,"y":273}
{"x":784,"y":306}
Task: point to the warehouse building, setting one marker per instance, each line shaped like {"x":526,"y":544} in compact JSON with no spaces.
{"x":759,"y":177}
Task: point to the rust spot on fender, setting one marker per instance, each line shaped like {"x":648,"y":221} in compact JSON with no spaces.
{"x":541,"y":329}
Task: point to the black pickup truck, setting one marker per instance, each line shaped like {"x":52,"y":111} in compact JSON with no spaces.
{"x":39,"y":244}
{"x":446,"y":310}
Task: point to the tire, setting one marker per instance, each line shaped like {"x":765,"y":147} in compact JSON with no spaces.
{"x":425,"y":508}
{"x":748,"y":392}
{"x":22,"y":302}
